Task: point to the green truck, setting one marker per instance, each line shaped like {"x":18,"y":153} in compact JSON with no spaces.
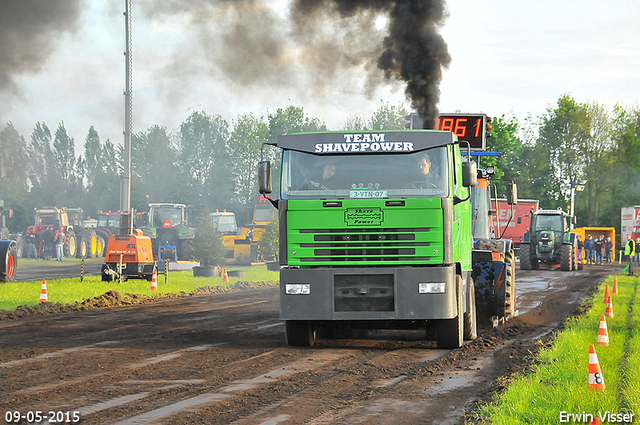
{"x":368,"y":239}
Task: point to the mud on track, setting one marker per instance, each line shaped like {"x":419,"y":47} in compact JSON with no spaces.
{"x":222,"y":359}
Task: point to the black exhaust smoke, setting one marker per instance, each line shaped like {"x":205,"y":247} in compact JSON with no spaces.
{"x":319,"y":45}
{"x":413,"y":51}
{"x":29,"y":30}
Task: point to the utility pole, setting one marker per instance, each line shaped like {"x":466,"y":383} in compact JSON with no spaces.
{"x":125,"y":179}
{"x":571,"y":187}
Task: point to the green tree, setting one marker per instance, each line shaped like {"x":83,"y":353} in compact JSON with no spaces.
{"x":64,"y":153}
{"x":594,"y":153}
{"x":248,"y":135}
{"x":503,"y":138}
{"x":14,"y":158}
{"x":388,"y":117}
{"x":13,"y":175}
{"x":94,"y":167}
{"x":291,"y":119}
{"x":106,"y":190}
{"x":623,"y":164}
{"x":203,"y":159}
{"x":40,"y":157}
{"x":207,"y":245}
{"x":153,"y":169}
{"x":564,"y":132}
{"x":355,"y":122}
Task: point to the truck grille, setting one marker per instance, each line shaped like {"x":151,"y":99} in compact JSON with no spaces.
{"x":366,"y":245}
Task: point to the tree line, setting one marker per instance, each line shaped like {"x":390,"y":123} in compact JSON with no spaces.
{"x":211,"y":164}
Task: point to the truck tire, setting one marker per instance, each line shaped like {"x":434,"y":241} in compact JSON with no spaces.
{"x":525,"y":256}
{"x":100,"y":246}
{"x":470,"y":318}
{"x":83,"y":248}
{"x":186,"y":250}
{"x":71,"y":245}
{"x":565,"y":257}
{"x":449,"y":332}
{"x":300,"y":333}
{"x":8,"y":260}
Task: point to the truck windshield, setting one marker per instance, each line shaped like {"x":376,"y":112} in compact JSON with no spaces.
{"x":224,"y":223}
{"x":419,"y":174}
{"x":549,"y":222}
{"x":108,"y":221}
{"x":162,"y":214}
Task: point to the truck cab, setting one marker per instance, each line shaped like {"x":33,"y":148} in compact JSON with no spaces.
{"x":368,"y":239}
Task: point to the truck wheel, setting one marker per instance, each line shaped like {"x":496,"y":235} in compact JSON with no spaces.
{"x":470,"y":319}
{"x":83,"y":249}
{"x":565,"y":258}
{"x":510,"y":290}
{"x":100,"y":246}
{"x":8,"y":260}
{"x":300,"y":333}
{"x":89,"y":238}
{"x":525,"y":257}
{"x":449,"y":332}
{"x":71,"y":245}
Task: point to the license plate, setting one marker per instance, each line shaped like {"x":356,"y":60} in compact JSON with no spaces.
{"x":368,"y":194}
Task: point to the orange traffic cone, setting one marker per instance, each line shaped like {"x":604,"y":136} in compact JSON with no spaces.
{"x":226,"y":276}
{"x":154,"y":280}
{"x":607,"y":295}
{"x":609,"y":310}
{"x":615,"y":285}
{"x":603,"y":335}
{"x":595,"y":421}
{"x":596,"y":380}
{"x":43,"y":293}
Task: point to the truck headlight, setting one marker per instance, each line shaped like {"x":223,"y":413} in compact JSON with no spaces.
{"x":297,"y":289}
{"x":432,"y":288}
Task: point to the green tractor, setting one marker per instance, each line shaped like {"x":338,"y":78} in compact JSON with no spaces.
{"x":168,"y":228}
{"x":549,"y":242}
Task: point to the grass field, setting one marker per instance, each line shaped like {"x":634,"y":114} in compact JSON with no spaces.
{"x":558,"y":391}
{"x":68,"y":291}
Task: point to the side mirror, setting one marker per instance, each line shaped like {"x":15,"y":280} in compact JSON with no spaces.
{"x":512,"y":194}
{"x":264,"y":177}
{"x":469,"y":174}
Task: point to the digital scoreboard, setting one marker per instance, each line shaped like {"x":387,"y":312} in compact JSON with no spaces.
{"x":467,"y":127}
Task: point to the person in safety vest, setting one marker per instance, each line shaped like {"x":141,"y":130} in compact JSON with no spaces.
{"x":630,"y":251}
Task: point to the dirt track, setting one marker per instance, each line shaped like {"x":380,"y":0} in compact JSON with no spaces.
{"x":222,"y":359}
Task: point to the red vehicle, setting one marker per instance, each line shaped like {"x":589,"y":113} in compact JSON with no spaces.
{"x":516,"y":227}
{"x":630,"y":221}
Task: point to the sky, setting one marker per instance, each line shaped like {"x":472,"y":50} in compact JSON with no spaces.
{"x":507,"y":57}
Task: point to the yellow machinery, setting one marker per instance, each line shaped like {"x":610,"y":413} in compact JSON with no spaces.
{"x":263,"y":215}
{"x":238,"y":242}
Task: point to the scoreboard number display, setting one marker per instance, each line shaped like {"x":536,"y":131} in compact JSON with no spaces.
{"x":468,"y":127}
